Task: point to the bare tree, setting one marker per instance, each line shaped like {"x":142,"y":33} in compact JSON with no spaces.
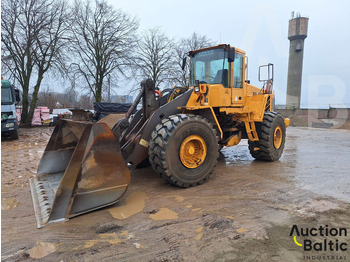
{"x":68,"y":98}
{"x":32,"y":36}
{"x":102,"y":41}
{"x":154,"y":57}
{"x":86,"y":102}
{"x":183,"y":46}
{"x":47,"y":97}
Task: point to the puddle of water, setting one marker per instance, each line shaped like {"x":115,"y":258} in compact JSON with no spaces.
{"x":111,"y":238}
{"x":178,"y":198}
{"x":164,"y":214}
{"x":90,"y":243}
{"x":125,"y":234}
{"x":199,"y":236}
{"x":199,"y":230}
{"x":42,"y":249}
{"x":134,"y":204}
{"x":199,"y":233}
{"x":9,"y":203}
{"x":241,"y":230}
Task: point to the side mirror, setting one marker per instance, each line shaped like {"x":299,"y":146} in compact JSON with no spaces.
{"x":17,"y":95}
{"x":231,"y":54}
{"x":266,"y":72}
{"x":184,"y":60}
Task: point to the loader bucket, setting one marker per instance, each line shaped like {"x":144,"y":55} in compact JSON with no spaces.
{"x":81,"y":170}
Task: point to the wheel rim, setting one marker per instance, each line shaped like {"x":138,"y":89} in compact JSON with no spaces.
{"x":193,"y":151}
{"x":277,"y":137}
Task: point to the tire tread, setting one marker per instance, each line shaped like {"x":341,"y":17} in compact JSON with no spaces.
{"x":159,"y":142}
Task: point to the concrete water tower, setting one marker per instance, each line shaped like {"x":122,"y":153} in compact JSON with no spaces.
{"x":296,"y":34}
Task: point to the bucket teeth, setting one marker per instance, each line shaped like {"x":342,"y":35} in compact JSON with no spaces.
{"x":43,"y":196}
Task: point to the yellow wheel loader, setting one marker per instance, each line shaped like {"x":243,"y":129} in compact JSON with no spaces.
{"x":180,"y":131}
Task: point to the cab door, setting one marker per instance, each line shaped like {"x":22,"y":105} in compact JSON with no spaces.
{"x":237,"y":97}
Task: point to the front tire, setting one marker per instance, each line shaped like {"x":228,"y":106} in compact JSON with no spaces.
{"x":272,"y":136}
{"x":15,"y":135}
{"x":184,"y":150}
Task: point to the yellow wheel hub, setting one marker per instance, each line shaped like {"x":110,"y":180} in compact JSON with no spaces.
{"x":277,"y":137}
{"x":193,"y":151}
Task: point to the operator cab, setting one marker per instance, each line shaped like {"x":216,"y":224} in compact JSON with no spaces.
{"x":212,"y":66}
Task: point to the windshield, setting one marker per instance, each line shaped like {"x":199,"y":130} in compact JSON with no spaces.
{"x":6,"y":96}
{"x":210,"y":66}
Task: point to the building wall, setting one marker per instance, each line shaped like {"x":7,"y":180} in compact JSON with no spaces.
{"x":339,"y":113}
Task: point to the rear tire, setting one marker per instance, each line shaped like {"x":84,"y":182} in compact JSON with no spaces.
{"x":272,"y":136}
{"x":184,"y":150}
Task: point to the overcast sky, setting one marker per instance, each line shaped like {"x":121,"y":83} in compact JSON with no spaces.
{"x":261,"y":28}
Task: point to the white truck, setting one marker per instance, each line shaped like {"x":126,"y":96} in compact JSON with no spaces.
{"x":9,"y":98}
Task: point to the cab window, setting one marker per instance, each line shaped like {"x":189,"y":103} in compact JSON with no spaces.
{"x":209,"y":67}
{"x":6,"y":96}
{"x":238,"y":69}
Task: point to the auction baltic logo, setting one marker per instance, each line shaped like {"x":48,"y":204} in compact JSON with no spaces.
{"x":321,"y":239}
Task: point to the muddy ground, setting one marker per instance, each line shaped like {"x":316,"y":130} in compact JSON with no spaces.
{"x":245,"y":212}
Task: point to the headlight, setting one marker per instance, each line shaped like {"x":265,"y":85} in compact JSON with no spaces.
{"x":8,"y":125}
{"x":196,"y":89}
